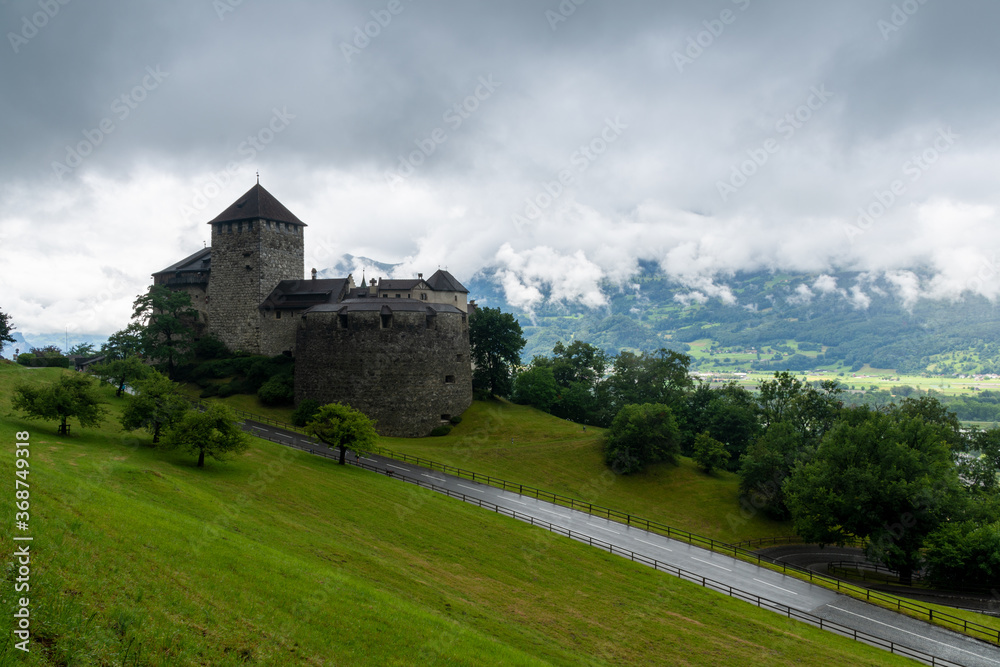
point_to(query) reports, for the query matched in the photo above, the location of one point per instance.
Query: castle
(397, 350)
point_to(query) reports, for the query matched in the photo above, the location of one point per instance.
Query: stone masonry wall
(248, 260)
(277, 335)
(407, 377)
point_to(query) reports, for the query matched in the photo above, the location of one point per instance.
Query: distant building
(398, 350)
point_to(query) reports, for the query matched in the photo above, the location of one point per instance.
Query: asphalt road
(794, 593)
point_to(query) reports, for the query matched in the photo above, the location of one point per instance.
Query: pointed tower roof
(257, 204)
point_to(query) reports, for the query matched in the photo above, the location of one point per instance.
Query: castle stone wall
(407, 377)
(248, 259)
(277, 334)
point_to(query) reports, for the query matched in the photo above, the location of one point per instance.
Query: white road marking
(653, 545)
(603, 528)
(366, 459)
(761, 581)
(436, 479)
(712, 564)
(470, 488)
(398, 468)
(893, 627)
(516, 501)
(565, 516)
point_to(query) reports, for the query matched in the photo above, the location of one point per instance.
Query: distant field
(281, 558)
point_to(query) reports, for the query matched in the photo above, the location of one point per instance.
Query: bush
(276, 391)
(640, 435)
(444, 429)
(210, 391)
(210, 347)
(305, 412)
(456, 420)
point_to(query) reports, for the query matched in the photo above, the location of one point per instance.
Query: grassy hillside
(528, 446)
(279, 558)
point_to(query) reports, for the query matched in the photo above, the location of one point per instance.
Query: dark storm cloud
(751, 132)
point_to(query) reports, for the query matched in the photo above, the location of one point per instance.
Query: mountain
(57, 338)
(357, 266)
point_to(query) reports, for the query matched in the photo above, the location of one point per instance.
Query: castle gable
(302, 294)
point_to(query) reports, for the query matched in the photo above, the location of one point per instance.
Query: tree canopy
(496, 340)
(214, 432)
(640, 435)
(164, 318)
(72, 395)
(343, 427)
(885, 477)
(5, 329)
(155, 406)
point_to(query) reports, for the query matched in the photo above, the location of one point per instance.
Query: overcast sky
(559, 142)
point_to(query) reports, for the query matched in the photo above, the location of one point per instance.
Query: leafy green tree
(156, 405)
(122, 372)
(124, 343)
(578, 362)
(305, 412)
(981, 467)
(214, 432)
(660, 377)
(811, 410)
(888, 478)
(640, 435)
(709, 453)
(964, 554)
(536, 386)
(496, 339)
(72, 395)
(165, 318)
(342, 426)
(765, 466)
(5, 329)
(82, 350)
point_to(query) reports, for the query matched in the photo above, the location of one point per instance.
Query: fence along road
(751, 583)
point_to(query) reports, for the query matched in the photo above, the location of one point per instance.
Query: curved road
(795, 593)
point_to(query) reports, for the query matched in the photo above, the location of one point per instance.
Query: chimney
(420, 276)
(314, 274)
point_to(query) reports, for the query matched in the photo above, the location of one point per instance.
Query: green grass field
(527, 446)
(279, 558)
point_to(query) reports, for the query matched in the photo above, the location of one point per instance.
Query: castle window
(449, 379)
(343, 321)
(423, 296)
(445, 418)
(397, 296)
(250, 226)
(229, 228)
(387, 321)
(458, 357)
(277, 314)
(430, 321)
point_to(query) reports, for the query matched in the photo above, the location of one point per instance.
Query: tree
(964, 554)
(888, 478)
(5, 329)
(578, 362)
(214, 432)
(640, 435)
(709, 453)
(811, 410)
(82, 350)
(660, 377)
(124, 343)
(496, 339)
(765, 466)
(72, 395)
(342, 426)
(122, 372)
(164, 316)
(156, 405)
(537, 387)
(981, 466)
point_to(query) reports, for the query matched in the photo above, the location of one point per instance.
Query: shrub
(640, 435)
(456, 420)
(443, 429)
(305, 412)
(210, 391)
(276, 391)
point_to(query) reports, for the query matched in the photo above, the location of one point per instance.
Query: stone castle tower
(398, 350)
(256, 243)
